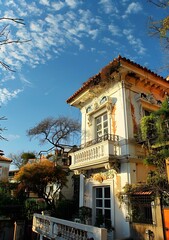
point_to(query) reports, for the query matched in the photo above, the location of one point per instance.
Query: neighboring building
(4, 166)
(61, 159)
(112, 104)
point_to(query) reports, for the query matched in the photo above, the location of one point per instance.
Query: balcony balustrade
(97, 151)
(54, 228)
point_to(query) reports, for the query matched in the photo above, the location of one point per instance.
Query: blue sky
(71, 40)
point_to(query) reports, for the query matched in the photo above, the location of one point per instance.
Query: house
(4, 166)
(112, 104)
(60, 159)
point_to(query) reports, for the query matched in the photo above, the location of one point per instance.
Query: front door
(166, 222)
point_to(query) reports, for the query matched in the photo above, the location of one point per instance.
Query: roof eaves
(119, 61)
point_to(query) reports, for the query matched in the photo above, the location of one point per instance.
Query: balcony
(54, 228)
(97, 153)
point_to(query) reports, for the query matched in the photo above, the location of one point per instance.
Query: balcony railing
(110, 137)
(96, 151)
(54, 228)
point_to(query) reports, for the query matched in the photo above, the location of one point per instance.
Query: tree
(37, 176)
(160, 28)
(10, 206)
(5, 40)
(5, 37)
(2, 129)
(22, 158)
(155, 136)
(56, 131)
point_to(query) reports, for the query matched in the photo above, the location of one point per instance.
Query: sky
(70, 41)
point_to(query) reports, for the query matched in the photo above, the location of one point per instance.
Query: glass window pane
(98, 120)
(105, 124)
(99, 127)
(98, 192)
(105, 131)
(98, 212)
(105, 117)
(107, 192)
(107, 214)
(107, 203)
(99, 203)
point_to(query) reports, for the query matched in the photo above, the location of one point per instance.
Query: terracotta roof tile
(143, 193)
(116, 62)
(5, 159)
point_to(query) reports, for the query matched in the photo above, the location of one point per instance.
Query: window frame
(102, 220)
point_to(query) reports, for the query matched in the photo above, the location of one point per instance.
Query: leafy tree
(22, 158)
(10, 206)
(55, 131)
(36, 176)
(155, 134)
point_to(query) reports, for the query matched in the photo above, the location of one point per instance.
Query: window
(103, 206)
(104, 99)
(102, 125)
(141, 208)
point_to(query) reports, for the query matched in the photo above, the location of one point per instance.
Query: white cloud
(115, 30)
(52, 32)
(134, 7)
(57, 5)
(107, 6)
(72, 3)
(12, 137)
(109, 41)
(136, 43)
(44, 2)
(6, 95)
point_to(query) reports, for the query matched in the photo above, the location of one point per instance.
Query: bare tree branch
(5, 40)
(55, 131)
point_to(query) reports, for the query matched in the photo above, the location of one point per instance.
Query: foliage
(55, 131)
(160, 27)
(36, 176)
(10, 206)
(85, 213)
(155, 128)
(65, 209)
(33, 205)
(22, 158)
(155, 133)
(148, 128)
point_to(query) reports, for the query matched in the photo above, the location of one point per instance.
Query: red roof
(116, 63)
(143, 193)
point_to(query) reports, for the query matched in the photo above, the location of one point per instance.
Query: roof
(143, 193)
(115, 64)
(3, 158)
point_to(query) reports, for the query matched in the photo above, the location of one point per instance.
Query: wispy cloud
(51, 32)
(132, 8)
(115, 30)
(136, 43)
(108, 6)
(6, 95)
(12, 137)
